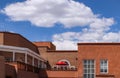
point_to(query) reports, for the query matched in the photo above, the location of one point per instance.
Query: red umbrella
(61, 63)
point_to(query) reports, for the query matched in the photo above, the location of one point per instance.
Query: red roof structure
(61, 63)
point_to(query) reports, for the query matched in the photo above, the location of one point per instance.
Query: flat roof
(100, 43)
(62, 51)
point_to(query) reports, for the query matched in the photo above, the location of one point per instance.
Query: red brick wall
(58, 74)
(54, 56)
(50, 45)
(61, 74)
(2, 67)
(42, 51)
(13, 39)
(25, 74)
(6, 54)
(10, 71)
(1, 39)
(95, 51)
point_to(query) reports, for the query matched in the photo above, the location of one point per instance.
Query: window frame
(87, 67)
(104, 66)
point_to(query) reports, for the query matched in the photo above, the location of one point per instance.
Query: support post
(13, 56)
(26, 58)
(26, 62)
(33, 61)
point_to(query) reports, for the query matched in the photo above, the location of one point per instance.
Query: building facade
(20, 58)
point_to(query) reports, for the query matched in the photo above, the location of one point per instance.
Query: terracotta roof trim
(62, 51)
(105, 75)
(98, 43)
(43, 47)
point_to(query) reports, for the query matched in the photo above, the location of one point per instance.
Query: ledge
(99, 43)
(105, 75)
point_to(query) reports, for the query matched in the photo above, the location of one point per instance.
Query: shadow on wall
(43, 74)
(48, 65)
(10, 71)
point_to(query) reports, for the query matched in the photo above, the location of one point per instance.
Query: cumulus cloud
(69, 40)
(45, 13)
(111, 37)
(65, 45)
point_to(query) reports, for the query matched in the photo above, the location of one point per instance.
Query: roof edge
(102, 43)
(62, 51)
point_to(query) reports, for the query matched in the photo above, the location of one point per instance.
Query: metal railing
(23, 66)
(63, 68)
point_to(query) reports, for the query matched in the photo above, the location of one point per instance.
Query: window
(103, 66)
(89, 69)
(8, 59)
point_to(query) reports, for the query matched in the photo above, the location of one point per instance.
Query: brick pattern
(50, 45)
(54, 56)
(2, 67)
(13, 39)
(61, 74)
(25, 74)
(10, 71)
(98, 52)
(1, 39)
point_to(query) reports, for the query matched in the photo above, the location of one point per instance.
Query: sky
(63, 22)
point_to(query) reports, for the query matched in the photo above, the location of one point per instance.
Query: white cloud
(65, 45)
(68, 40)
(111, 37)
(102, 23)
(45, 13)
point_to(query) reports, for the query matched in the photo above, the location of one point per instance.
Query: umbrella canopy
(61, 63)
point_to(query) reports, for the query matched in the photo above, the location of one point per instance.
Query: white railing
(20, 50)
(63, 67)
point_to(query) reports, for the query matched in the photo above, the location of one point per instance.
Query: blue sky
(64, 22)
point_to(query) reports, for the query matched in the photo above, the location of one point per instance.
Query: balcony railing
(63, 68)
(27, 67)
(23, 66)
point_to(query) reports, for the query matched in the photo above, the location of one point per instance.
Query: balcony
(63, 68)
(23, 66)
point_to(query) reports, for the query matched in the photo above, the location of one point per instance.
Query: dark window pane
(88, 75)
(92, 75)
(92, 71)
(85, 75)
(85, 71)
(85, 66)
(88, 70)
(105, 70)
(89, 62)
(101, 70)
(89, 66)
(92, 61)
(92, 66)
(85, 62)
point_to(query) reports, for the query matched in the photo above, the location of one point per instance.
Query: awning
(62, 63)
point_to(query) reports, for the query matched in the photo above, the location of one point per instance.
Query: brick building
(20, 58)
